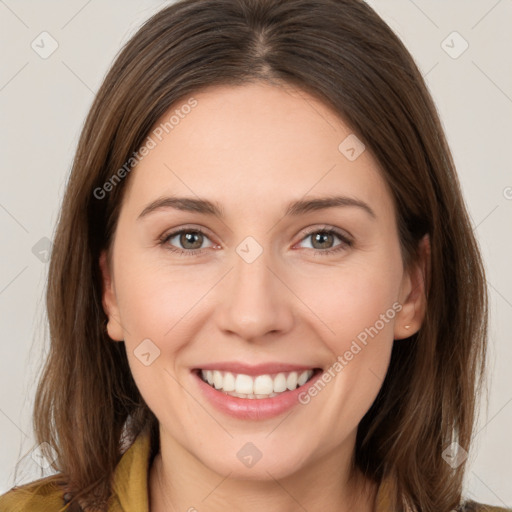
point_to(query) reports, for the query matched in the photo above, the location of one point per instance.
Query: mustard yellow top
(130, 488)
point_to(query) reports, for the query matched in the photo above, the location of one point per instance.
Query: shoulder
(42, 495)
(129, 486)
(387, 486)
(472, 506)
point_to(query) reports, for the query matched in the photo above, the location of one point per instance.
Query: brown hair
(341, 52)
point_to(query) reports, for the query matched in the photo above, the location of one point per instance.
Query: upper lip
(258, 369)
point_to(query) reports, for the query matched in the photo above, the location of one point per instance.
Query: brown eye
(191, 239)
(188, 241)
(324, 241)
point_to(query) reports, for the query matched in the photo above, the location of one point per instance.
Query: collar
(130, 483)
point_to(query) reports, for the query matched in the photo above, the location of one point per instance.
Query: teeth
(291, 381)
(302, 378)
(280, 383)
(244, 384)
(261, 386)
(217, 379)
(228, 384)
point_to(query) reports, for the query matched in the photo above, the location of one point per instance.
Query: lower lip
(254, 408)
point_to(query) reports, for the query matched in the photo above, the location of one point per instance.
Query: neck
(178, 481)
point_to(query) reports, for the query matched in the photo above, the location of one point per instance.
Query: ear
(412, 293)
(109, 300)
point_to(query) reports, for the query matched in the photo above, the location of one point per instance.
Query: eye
(189, 241)
(324, 238)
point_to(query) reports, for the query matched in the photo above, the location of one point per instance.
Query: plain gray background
(44, 102)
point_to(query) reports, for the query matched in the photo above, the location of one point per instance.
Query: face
(271, 289)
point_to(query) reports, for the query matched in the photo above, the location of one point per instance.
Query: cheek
(154, 298)
(159, 304)
(349, 300)
(355, 306)
(155, 303)
(360, 313)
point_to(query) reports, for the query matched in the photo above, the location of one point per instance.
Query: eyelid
(344, 235)
(188, 227)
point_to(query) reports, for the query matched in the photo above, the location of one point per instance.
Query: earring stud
(407, 326)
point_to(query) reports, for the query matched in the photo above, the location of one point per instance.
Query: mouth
(257, 387)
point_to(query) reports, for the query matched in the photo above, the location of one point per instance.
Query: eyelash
(346, 242)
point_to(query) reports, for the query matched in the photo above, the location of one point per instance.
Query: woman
(264, 291)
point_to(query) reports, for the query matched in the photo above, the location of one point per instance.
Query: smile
(254, 391)
(258, 386)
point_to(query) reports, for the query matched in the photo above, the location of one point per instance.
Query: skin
(253, 149)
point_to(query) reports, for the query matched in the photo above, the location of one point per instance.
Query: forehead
(255, 144)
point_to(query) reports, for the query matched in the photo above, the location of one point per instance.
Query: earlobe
(109, 300)
(413, 293)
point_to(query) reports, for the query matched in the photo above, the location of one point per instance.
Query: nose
(255, 302)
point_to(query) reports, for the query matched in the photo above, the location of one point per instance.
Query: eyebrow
(205, 207)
